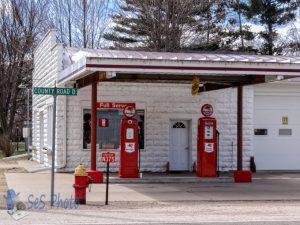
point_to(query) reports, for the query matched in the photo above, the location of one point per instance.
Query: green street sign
(54, 91)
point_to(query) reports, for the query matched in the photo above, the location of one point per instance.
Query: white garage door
(277, 132)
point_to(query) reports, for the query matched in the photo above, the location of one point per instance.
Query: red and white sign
(108, 157)
(207, 110)
(103, 122)
(129, 147)
(114, 105)
(129, 111)
(208, 147)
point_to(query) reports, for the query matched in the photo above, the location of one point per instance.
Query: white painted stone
(161, 102)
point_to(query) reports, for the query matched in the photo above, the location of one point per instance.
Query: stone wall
(163, 102)
(47, 63)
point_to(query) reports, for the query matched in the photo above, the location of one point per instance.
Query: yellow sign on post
(285, 120)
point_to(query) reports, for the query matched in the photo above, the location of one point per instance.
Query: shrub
(6, 146)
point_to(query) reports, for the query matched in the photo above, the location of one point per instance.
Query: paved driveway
(265, 186)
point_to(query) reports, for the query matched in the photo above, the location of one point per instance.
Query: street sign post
(54, 92)
(107, 157)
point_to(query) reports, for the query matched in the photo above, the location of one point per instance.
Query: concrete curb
(16, 157)
(165, 180)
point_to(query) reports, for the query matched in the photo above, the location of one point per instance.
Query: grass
(21, 149)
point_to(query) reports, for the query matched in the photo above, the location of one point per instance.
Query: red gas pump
(207, 143)
(129, 144)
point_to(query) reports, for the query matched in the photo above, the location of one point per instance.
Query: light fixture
(195, 85)
(22, 86)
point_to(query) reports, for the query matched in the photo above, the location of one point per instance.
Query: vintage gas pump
(129, 144)
(207, 143)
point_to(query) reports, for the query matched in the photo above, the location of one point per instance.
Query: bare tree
(20, 26)
(81, 23)
(291, 42)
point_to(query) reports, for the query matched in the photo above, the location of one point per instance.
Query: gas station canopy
(84, 67)
(215, 71)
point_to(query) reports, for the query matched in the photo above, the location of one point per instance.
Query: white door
(277, 132)
(179, 145)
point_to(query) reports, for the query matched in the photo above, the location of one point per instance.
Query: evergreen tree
(160, 25)
(220, 27)
(240, 33)
(271, 14)
(210, 32)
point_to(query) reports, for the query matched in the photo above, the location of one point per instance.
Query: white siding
(47, 64)
(163, 102)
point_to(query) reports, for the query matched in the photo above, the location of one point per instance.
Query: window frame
(116, 149)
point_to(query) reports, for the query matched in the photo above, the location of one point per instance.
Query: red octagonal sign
(207, 110)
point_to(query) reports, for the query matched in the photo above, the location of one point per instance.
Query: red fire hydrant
(81, 183)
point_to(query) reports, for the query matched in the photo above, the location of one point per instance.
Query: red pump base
(242, 176)
(96, 175)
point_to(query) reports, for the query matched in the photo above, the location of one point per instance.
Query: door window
(178, 125)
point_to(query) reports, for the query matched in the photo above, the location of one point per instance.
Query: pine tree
(271, 14)
(220, 27)
(209, 30)
(240, 32)
(160, 25)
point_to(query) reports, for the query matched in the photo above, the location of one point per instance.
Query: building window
(109, 137)
(285, 132)
(86, 128)
(141, 121)
(261, 131)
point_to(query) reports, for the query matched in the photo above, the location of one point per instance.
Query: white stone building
(161, 105)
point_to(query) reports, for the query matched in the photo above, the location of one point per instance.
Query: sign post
(107, 157)
(54, 92)
(107, 183)
(53, 149)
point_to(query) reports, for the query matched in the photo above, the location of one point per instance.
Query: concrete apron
(38, 184)
(165, 178)
(32, 186)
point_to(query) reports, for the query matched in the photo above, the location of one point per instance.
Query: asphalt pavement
(182, 212)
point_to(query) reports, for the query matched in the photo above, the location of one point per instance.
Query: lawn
(21, 149)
